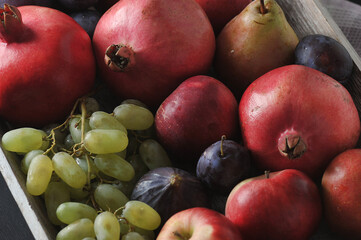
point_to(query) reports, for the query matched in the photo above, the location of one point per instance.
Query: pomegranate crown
(11, 22)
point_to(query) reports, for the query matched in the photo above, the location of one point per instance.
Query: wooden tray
(305, 16)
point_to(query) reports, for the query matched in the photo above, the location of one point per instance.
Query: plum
(326, 55)
(223, 165)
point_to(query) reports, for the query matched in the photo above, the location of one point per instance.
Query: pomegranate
(220, 12)
(297, 117)
(146, 48)
(46, 63)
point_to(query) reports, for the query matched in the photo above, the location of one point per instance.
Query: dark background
(12, 223)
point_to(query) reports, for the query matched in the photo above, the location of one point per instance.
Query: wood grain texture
(305, 16)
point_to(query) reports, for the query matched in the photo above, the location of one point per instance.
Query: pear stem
(263, 8)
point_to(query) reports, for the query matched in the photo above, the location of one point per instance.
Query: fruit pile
(158, 119)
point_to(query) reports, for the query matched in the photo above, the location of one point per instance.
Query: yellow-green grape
(124, 226)
(68, 170)
(78, 194)
(75, 128)
(134, 117)
(26, 160)
(22, 140)
(106, 226)
(103, 120)
(46, 142)
(83, 163)
(135, 102)
(146, 234)
(39, 175)
(69, 212)
(91, 105)
(104, 141)
(79, 229)
(108, 197)
(69, 142)
(141, 215)
(56, 194)
(153, 154)
(114, 166)
(122, 154)
(132, 236)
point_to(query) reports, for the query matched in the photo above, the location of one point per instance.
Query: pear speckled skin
(252, 44)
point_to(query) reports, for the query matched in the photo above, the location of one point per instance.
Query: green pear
(254, 42)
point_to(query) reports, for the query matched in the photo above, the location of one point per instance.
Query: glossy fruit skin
(220, 12)
(46, 69)
(160, 61)
(325, 54)
(341, 194)
(194, 116)
(162, 186)
(298, 101)
(200, 224)
(223, 173)
(287, 205)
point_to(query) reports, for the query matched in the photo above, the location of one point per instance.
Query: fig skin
(170, 190)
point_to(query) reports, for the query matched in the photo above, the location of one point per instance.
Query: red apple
(280, 205)
(195, 115)
(199, 224)
(341, 191)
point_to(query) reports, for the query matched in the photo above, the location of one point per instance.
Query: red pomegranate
(297, 117)
(46, 63)
(220, 12)
(146, 48)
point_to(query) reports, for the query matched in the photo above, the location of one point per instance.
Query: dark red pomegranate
(220, 12)
(297, 117)
(46, 63)
(146, 48)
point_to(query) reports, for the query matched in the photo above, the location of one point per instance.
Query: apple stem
(263, 8)
(222, 140)
(267, 172)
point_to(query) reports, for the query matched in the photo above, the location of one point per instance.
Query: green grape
(91, 105)
(22, 140)
(104, 141)
(114, 166)
(69, 212)
(134, 117)
(83, 163)
(153, 154)
(79, 229)
(124, 226)
(132, 236)
(106, 226)
(26, 160)
(146, 234)
(46, 143)
(126, 187)
(103, 120)
(109, 197)
(141, 215)
(75, 128)
(39, 175)
(68, 170)
(88, 238)
(69, 142)
(122, 154)
(56, 194)
(135, 102)
(139, 166)
(78, 193)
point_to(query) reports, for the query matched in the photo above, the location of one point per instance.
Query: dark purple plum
(87, 19)
(326, 55)
(45, 3)
(223, 165)
(77, 5)
(169, 190)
